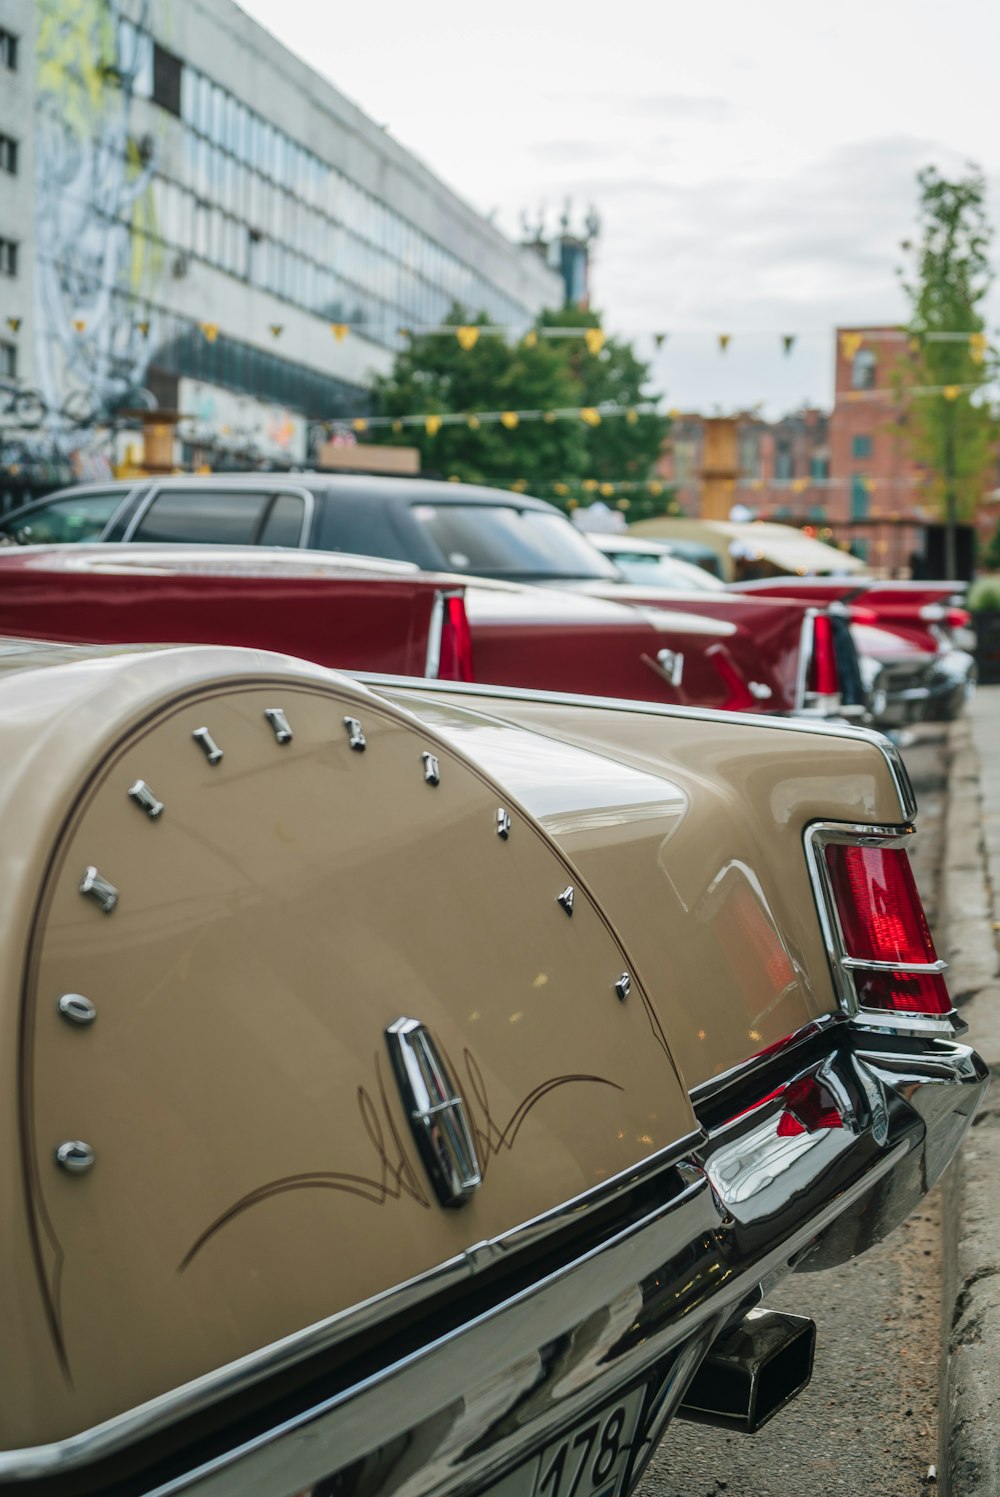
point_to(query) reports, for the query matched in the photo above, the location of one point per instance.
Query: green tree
(435, 375)
(952, 433)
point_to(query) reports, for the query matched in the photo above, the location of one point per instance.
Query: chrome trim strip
(807, 644)
(857, 963)
(890, 753)
(705, 1091)
(435, 631)
(167, 1409)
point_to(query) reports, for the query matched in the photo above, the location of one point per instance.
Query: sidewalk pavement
(969, 922)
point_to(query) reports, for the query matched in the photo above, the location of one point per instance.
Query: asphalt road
(867, 1424)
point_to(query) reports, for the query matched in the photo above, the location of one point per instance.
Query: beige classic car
(417, 1089)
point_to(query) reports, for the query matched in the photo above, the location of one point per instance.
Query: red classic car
(917, 631)
(755, 655)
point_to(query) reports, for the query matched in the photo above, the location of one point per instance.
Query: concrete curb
(969, 918)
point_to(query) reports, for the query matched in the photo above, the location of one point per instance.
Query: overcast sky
(754, 165)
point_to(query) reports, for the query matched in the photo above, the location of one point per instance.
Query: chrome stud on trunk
(75, 1156)
(96, 887)
(355, 734)
(503, 824)
(279, 722)
(76, 1009)
(432, 769)
(623, 986)
(566, 899)
(144, 797)
(213, 753)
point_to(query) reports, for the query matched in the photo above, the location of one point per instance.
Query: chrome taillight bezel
(818, 836)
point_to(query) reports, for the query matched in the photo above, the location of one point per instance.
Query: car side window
(225, 517)
(81, 517)
(283, 525)
(363, 527)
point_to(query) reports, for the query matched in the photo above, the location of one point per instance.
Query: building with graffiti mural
(191, 217)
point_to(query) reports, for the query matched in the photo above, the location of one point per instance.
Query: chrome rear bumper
(434, 1413)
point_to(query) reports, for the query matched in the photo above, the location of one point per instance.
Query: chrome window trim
(201, 1393)
(807, 644)
(890, 753)
(883, 1021)
(281, 487)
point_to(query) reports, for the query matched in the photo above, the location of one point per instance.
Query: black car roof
(394, 490)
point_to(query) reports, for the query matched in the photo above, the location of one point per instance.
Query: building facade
(201, 220)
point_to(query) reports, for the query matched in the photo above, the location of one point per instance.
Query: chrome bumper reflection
(759, 1196)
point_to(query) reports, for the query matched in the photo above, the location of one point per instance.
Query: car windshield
(503, 541)
(657, 569)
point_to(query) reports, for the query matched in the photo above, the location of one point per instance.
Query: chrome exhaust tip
(752, 1370)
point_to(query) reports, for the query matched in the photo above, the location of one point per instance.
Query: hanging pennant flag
(79, 326)
(473, 423)
(560, 488)
(277, 328)
(659, 339)
(509, 419)
(397, 426)
(850, 343)
(915, 345)
(607, 490)
(432, 425)
(590, 485)
(404, 332)
(631, 416)
(799, 484)
(454, 478)
(594, 338)
(590, 415)
(467, 337)
(674, 413)
(977, 347)
(339, 330)
(143, 328)
(623, 504)
(360, 424)
(787, 342)
(869, 484)
(519, 485)
(548, 417)
(14, 323)
(210, 331)
(951, 392)
(530, 338)
(724, 341)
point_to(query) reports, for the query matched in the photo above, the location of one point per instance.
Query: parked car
(649, 563)
(417, 1088)
(747, 549)
(752, 655)
(919, 633)
(356, 614)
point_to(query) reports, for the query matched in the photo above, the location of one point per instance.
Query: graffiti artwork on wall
(96, 257)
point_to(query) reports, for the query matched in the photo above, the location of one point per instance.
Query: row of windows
(236, 159)
(182, 350)
(8, 50)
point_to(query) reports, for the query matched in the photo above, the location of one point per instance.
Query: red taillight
(823, 666)
(455, 663)
(883, 923)
(958, 618)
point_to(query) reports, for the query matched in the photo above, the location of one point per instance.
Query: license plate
(590, 1460)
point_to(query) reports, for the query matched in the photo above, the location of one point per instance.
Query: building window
(166, 80)
(861, 446)
(819, 468)
(8, 257)
(859, 496)
(8, 50)
(783, 461)
(8, 155)
(8, 361)
(863, 370)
